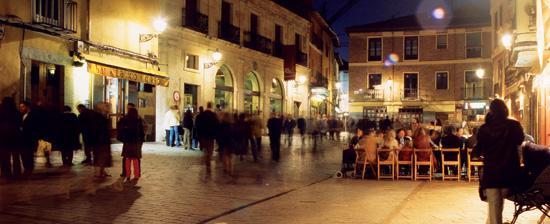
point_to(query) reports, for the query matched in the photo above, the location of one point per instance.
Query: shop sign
(127, 74)
(474, 105)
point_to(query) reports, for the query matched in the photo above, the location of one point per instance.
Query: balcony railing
(476, 93)
(195, 21)
(278, 50)
(229, 32)
(257, 42)
(373, 94)
(319, 81)
(60, 15)
(301, 58)
(410, 93)
(473, 52)
(317, 41)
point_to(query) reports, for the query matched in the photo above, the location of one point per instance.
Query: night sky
(368, 11)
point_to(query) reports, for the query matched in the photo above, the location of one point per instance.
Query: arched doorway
(251, 93)
(276, 97)
(223, 96)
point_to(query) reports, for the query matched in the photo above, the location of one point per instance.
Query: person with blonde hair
(390, 142)
(172, 120)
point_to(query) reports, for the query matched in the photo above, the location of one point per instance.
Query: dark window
(441, 80)
(441, 41)
(473, 45)
(253, 23)
(191, 7)
(278, 34)
(410, 85)
(59, 13)
(411, 48)
(375, 80)
(375, 49)
(298, 42)
(192, 61)
(226, 12)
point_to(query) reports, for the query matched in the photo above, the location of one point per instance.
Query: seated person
(451, 140)
(369, 144)
(389, 142)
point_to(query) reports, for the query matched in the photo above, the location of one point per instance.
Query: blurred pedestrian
(241, 134)
(339, 128)
(187, 127)
(173, 120)
(322, 126)
(102, 143)
(30, 127)
(275, 126)
(206, 124)
(497, 142)
(224, 140)
(256, 128)
(130, 132)
(302, 125)
(87, 128)
(69, 140)
(289, 125)
(10, 139)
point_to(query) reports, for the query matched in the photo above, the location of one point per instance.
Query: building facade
(421, 67)
(58, 52)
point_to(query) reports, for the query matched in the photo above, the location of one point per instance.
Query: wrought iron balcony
(278, 50)
(228, 32)
(373, 94)
(60, 15)
(319, 81)
(476, 93)
(257, 42)
(195, 21)
(301, 58)
(410, 93)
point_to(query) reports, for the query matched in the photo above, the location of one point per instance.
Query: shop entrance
(190, 97)
(47, 84)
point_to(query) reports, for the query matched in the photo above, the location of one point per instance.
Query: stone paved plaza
(176, 188)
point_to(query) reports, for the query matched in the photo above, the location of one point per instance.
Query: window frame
(368, 79)
(480, 44)
(405, 48)
(381, 48)
(439, 72)
(417, 84)
(446, 41)
(197, 62)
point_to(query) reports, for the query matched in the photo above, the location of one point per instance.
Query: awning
(526, 59)
(128, 74)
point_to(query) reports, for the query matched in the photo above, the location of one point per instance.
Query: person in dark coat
(275, 127)
(10, 139)
(31, 126)
(498, 142)
(301, 122)
(68, 140)
(187, 127)
(85, 119)
(289, 125)
(131, 133)
(101, 147)
(224, 140)
(206, 125)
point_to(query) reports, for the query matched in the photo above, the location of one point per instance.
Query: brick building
(421, 67)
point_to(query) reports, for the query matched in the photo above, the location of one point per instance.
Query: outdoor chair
(448, 161)
(420, 160)
(404, 158)
(361, 159)
(472, 163)
(384, 158)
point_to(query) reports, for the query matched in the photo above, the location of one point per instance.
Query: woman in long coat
(68, 136)
(131, 133)
(102, 139)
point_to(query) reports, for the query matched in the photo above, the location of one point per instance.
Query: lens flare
(391, 59)
(438, 13)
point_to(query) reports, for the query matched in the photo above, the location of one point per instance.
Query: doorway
(47, 84)
(190, 97)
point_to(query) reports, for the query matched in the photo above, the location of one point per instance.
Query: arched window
(223, 96)
(251, 93)
(276, 97)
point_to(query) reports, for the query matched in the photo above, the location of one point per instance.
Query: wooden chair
(472, 164)
(362, 161)
(420, 153)
(407, 162)
(446, 162)
(382, 160)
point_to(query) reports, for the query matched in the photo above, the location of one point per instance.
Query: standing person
(289, 126)
(173, 119)
(497, 142)
(130, 132)
(88, 132)
(187, 127)
(256, 127)
(302, 129)
(332, 125)
(224, 140)
(339, 128)
(274, 126)
(30, 128)
(10, 139)
(240, 135)
(102, 142)
(323, 127)
(207, 124)
(69, 136)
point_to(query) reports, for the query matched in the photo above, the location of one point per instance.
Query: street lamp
(159, 24)
(216, 57)
(480, 73)
(507, 40)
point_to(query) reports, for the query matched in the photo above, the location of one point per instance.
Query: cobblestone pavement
(176, 188)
